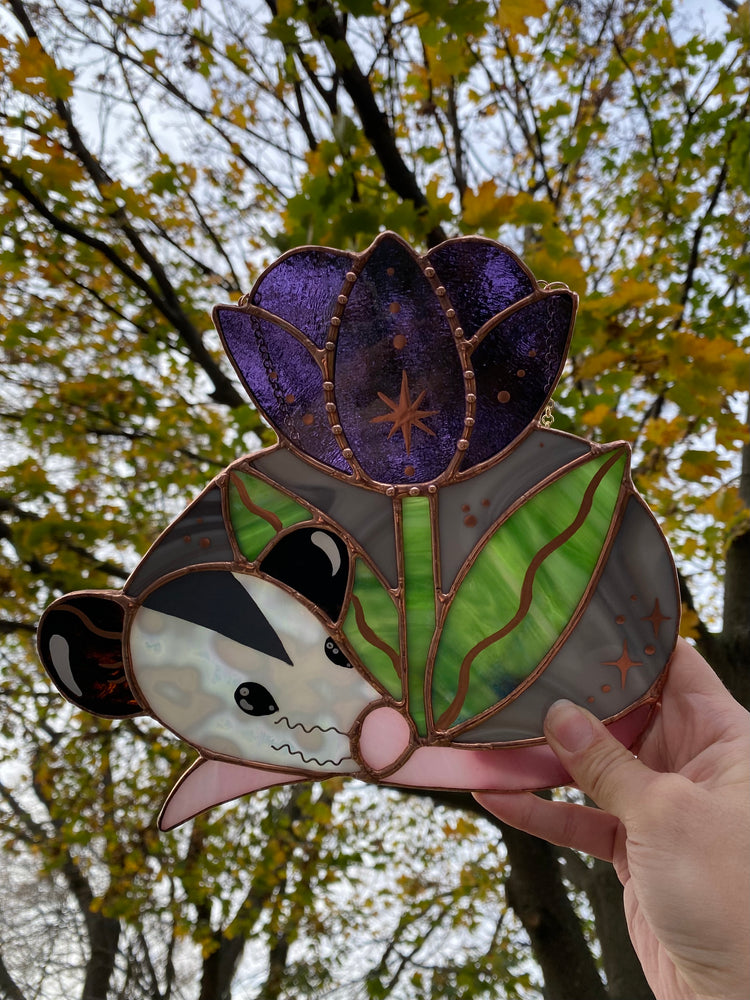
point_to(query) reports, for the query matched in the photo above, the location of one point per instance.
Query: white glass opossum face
(229, 632)
(252, 675)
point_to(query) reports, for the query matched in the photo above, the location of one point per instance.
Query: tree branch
(168, 301)
(534, 139)
(103, 932)
(9, 989)
(698, 236)
(375, 124)
(8, 627)
(102, 565)
(224, 390)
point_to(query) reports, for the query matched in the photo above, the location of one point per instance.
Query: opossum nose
(254, 699)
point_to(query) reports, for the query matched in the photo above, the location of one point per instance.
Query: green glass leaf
(371, 626)
(523, 589)
(419, 599)
(259, 511)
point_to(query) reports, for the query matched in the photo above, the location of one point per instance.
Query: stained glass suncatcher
(400, 588)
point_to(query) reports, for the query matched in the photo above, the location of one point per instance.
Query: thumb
(600, 765)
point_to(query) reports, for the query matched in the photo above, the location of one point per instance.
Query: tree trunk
(537, 894)
(104, 937)
(219, 968)
(732, 657)
(535, 891)
(277, 958)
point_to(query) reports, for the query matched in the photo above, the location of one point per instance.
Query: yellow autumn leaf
(698, 464)
(689, 547)
(551, 266)
(716, 355)
(663, 432)
(725, 504)
(513, 14)
(481, 208)
(596, 416)
(434, 198)
(237, 116)
(38, 74)
(629, 293)
(689, 622)
(598, 362)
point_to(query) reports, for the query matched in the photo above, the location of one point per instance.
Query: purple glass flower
(397, 369)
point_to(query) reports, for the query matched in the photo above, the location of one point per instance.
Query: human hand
(675, 823)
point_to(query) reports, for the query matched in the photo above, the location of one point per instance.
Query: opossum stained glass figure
(400, 588)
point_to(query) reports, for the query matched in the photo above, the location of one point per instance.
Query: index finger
(566, 824)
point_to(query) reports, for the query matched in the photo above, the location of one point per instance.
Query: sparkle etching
(401, 587)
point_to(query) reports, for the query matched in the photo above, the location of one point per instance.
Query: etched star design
(656, 618)
(624, 663)
(405, 413)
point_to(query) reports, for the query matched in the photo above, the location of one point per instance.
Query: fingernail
(569, 726)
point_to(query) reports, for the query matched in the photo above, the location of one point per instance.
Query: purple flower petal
(481, 278)
(396, 392)
(398, 380)
(516, 366)
(283, 379)
(302, 287)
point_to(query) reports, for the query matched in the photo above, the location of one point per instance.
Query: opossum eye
(315, 564)
(335, 655)
(254, 699)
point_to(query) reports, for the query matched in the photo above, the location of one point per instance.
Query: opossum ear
(80, 645)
